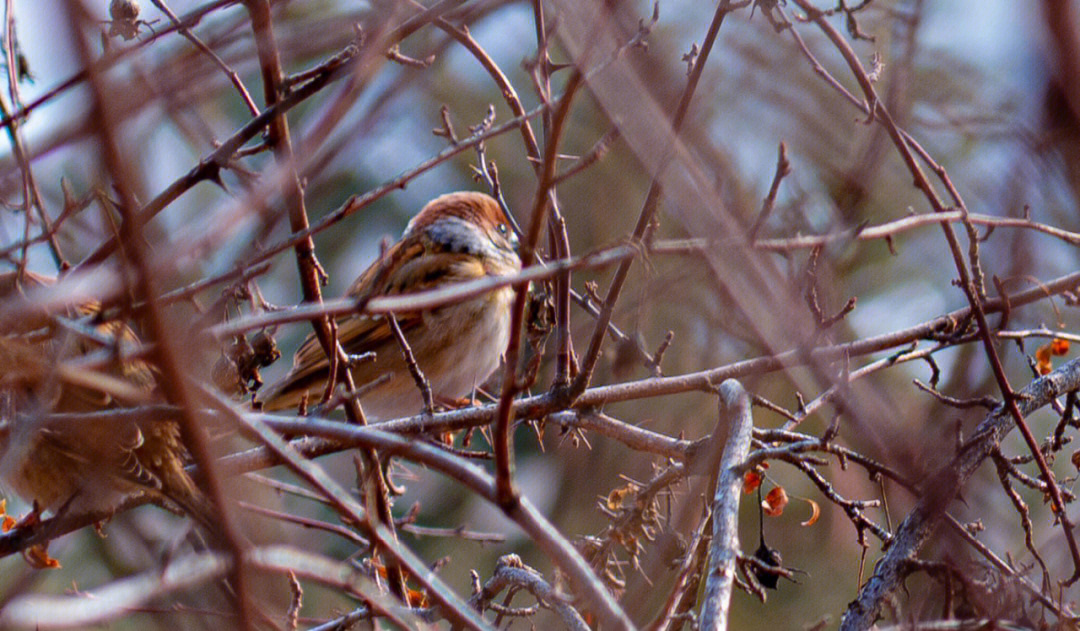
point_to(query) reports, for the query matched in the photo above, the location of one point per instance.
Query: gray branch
(735, 410)
(510, 571)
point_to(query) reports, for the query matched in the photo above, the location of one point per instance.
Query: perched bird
(56, 455)
(456, 237)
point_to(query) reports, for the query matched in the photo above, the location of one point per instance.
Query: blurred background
(986, 87)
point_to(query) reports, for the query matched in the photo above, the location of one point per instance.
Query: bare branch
(734, 405)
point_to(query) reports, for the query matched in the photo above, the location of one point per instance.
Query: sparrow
(80, 463)
(456, 237)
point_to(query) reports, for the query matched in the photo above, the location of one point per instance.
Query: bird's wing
(407, 267)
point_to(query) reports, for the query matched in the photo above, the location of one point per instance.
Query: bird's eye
(502, 228)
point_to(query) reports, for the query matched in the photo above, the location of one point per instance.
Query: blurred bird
(456, 237)
(82, 464)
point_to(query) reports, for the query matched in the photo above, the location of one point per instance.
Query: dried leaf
(7, 522)
(1059, 347)
(815, 513)
(416, 597)
(1042, 360)
(751, 480)
(379, 567)
(38, 558)
(771, 558)
(775, 502)
(1075, 459)
(617, 496)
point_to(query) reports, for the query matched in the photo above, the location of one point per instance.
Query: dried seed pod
(771, 558)
(264, 347)
(124, 10)
(226, 376)
(125, 19)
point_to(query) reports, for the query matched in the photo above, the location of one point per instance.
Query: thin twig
(234, 78)
(410, 360)
(783, 169)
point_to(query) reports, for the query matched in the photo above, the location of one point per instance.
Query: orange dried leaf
(7, 522)
(1059, 347)
(617, 497)
(1075, 459)
(775, 502)
(416, 597)
(751, 480)
(1042, 360)
(815, 513)
(380, 568)
(38, 558)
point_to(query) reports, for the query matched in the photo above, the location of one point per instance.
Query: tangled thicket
(868, 231)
